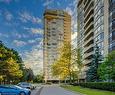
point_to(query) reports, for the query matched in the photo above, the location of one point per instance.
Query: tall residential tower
(93, 29)
(57, 29)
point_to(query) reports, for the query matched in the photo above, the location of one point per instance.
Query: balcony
(88, 55)
(90, 27)
(88, 61)
(88, 48)
(86, 4)
(89, 6)
(89, 41)
(88, 35)
(89, 12)
(89, 20)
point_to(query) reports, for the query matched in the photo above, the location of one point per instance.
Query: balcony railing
(86, 55)
(91, 38)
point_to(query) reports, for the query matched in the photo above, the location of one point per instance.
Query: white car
(25, 85)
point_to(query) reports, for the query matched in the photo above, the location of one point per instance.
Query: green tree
(9, 63)
(38, 78)
(13, 70)
(92, 74)
(106, 70)
(30, 75)
(62, 67)
(77, 62)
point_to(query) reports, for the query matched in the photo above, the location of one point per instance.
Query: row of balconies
(89, 7)
(86, 4)
(90, 27)
(89, 48)
(88, 55)
(91, 19)
(88, 16)
(91, 11)
(89, 41)
(88, 35)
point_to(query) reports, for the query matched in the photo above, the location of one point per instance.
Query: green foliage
(69, 64)
(92, 74)
(10, 63)
(38, 78)
(99, 85)
(62, 66)
(77, 62)
(106, 70)
(30, 75)
(88, 91)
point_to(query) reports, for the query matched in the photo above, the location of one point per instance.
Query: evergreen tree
(92, 74)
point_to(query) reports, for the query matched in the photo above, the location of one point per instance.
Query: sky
(21, 26)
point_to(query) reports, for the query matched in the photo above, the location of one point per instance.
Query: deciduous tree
(106, 70)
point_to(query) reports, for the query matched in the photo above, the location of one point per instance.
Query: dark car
(26, 85)
(13, 90)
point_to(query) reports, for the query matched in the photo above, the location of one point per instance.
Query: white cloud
(26, 16)
(25, 36)
(59, 3)
(37, 40)
(37, 30)
(31, 41)
(34, 30)
(19, 43)
(48, 2)
(8, 16)
(4, 35)
(74, 35)
(17, 35)
(74, 39)
(34, 58)
(69, 10)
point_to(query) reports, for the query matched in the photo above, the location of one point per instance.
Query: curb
(38, 93)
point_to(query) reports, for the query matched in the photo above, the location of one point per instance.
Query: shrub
(99, 85)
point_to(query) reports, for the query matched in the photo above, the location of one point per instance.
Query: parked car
(26, 85)
(13, 90)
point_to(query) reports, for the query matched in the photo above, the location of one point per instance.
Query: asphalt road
(55, 90)
(36, 91)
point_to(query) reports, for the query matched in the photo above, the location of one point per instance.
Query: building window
(113, 35)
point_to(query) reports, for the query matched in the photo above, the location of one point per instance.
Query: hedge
(98, 85)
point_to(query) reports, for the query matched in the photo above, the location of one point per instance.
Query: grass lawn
(88, 91)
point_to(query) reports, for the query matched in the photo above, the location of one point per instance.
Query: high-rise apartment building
(57, 29)
(93, 29)
(112, 25)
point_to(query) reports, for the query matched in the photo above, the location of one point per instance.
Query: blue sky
(21, 26)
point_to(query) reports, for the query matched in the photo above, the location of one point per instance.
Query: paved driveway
(55, 90)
